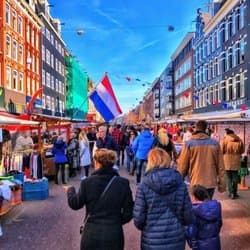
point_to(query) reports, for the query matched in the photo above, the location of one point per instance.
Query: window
(14, 20)
(52, 104)
(216, 92)
(211, 97)
(37, 65)
(48, 103)
(223, 91)
(234, 88)
(8, 77)
(20, 25)
(52, 61)
(237, 84)
(234, 50)
(47, 56)
(14, 80)
(229, 89)
(20, 82)
(48, 34)
(14, 56)
(242, 85)
(242, 51)
(7, 13)
(33, 86)
(8, 46)
(223, 62)
(43, 53)
(43, 101)
(237, 20)
(226, 30)
(57, 88)
(43, 77)
(237, 46)
(28, 33)
(242, 16)
(52, 82)
(47, 79)
(52, 39)
(28, 85)
(233, 23)
(20, 54)
(229, 58)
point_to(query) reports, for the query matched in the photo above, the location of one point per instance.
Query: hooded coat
(162, 208)
(58, 151)
(203, 233)
(232, 148)
(142, 144)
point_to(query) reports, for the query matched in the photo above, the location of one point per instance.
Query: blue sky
(126, 38)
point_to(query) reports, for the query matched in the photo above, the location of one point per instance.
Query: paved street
(51, 224)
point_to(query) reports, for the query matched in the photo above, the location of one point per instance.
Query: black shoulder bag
(101, 196)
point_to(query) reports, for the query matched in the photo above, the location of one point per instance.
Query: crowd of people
(167, 212)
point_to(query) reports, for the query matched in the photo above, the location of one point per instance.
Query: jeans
(140, 169)
(232, 181)
(62, 172)
(129, 158)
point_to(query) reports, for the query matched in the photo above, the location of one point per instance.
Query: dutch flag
(104, 99)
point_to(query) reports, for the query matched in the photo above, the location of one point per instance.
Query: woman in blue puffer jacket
(204, 232)
(162, 205)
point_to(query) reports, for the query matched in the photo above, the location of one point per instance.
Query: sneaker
(83, 177)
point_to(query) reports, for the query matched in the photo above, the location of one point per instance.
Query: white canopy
(6, 120)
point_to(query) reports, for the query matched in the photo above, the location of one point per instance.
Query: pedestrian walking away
(108, 201)
(202, 160)
(141, 146)
(232, 148)
(162, 205)
(204, 232)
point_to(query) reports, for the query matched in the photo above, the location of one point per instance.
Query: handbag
(101, 196)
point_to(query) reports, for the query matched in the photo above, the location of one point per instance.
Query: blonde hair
(83, 137)
(163, 136)
(105, 157)
(158, 157)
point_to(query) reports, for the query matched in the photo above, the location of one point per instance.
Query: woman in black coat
(162, 205)
(103, 228)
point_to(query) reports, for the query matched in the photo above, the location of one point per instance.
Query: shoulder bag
(101, 196)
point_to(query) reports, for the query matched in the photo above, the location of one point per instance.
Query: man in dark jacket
(104, 140)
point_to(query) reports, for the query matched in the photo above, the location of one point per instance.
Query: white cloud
(108, 17)
(149, 44)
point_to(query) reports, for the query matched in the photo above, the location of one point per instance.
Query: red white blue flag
(105, 101)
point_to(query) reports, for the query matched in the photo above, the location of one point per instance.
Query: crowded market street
(51, 225)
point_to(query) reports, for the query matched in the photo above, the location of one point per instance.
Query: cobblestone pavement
(51, 224)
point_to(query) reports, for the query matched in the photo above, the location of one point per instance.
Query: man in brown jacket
(201, 159)
(232, 148)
